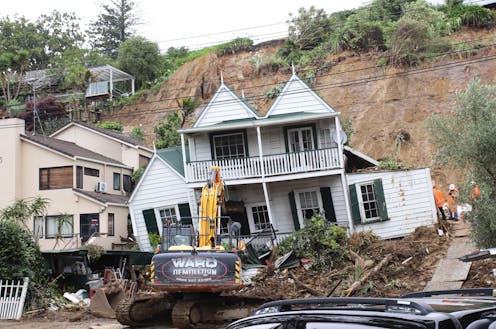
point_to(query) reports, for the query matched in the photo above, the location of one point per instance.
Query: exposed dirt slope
(381, 102)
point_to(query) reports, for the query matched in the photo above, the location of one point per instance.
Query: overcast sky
(191, 23)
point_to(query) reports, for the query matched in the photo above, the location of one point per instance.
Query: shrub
(390, 164)
(274, 92)
(320, 240)
(137, 133)
(112, 125)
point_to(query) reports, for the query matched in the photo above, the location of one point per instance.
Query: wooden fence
(12, 297)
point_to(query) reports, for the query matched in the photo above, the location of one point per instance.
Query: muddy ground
(411, 265)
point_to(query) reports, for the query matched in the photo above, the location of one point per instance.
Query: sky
(191, 23)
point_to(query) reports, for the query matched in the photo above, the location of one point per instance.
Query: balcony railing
(273, 165)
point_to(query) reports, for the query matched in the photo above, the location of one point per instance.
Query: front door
(300, 140)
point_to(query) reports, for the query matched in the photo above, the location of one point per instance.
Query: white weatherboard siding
(161, 187)
(297, 97)
(224, 106)
(409, 201)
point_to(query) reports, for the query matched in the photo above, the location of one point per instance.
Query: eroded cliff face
(381, 102)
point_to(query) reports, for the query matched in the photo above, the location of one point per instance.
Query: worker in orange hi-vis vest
(439, 199)
(453, 201)
(476, 193)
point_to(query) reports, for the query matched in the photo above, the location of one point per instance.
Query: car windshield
(453, 304)
(310, 325)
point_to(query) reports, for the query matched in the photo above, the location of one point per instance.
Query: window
(127, 183)
(92, 172)
(368, 202)
(117, 181)
(110, 225)
(168, 215)
(300, 139)
(309, 204)
(88, 225)
(59, 225)
(229, 146)
(258, 217)
(55, 178)
(38, 227)
(79, 177)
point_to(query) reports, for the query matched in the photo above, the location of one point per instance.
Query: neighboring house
(279, 170)
(113, 144)
(84, 184)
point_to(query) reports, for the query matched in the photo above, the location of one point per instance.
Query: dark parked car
(448, 309)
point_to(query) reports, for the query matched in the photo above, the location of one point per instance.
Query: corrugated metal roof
(70, 149)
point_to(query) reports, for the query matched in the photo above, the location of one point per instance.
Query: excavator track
(211, 311)
(145, 309)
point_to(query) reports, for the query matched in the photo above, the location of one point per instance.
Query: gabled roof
(70, 149)
(104, 198)
(225, 105)
(296, 96)
(174, 157)
(121, 137)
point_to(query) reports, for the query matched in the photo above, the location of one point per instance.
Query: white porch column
(337, 124)
(264, 183)
(346, 192)
(183, 150)
(132, 87)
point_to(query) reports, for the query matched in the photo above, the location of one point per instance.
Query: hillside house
(278, 169)
(85, 174)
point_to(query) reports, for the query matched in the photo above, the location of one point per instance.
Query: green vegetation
(465, 140)
(137, 133)
(320, 240)
(154, 239)
(112, 125)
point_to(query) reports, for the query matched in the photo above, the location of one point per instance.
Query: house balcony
(266, 166)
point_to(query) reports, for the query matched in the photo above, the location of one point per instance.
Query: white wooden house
(279, 169)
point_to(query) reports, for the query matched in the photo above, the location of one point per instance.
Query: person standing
(453, 201)
(439, 199)
(476, 193)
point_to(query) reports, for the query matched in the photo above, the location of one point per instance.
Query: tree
(309, 28)
(113, 26)
(466, 140)
(141, 58)
(166, 130)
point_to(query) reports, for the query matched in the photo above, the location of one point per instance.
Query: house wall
(104, 145)
(279, 198)
(409, 201)
(160, 187)
(66, 201)
(10, 160)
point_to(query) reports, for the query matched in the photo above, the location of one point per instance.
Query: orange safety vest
(439, 197)
(476, 193)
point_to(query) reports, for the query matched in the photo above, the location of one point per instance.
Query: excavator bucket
(100, 305)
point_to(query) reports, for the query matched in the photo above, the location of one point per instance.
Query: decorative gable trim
(309, 100)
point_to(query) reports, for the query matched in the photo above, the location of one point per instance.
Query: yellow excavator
(190, 271)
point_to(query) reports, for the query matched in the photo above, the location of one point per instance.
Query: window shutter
(355, 210)
(185, 213)
(150, 221)
(294, 211)
(325, 192)
(381, 200)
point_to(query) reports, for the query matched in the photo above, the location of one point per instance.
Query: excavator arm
(211, 199)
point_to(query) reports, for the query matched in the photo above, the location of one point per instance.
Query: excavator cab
(178, 237)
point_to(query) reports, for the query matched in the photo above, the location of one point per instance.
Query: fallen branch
(364, 278)
(301, 285)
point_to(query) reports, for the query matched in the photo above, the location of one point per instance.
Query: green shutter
(294, 211)
(355, 208)
(325, 192)
(150, 221)
(185, 213)
(381, 200)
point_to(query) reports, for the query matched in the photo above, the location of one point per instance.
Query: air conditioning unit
(101, 187)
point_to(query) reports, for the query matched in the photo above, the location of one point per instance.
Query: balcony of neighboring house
(273, 152)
